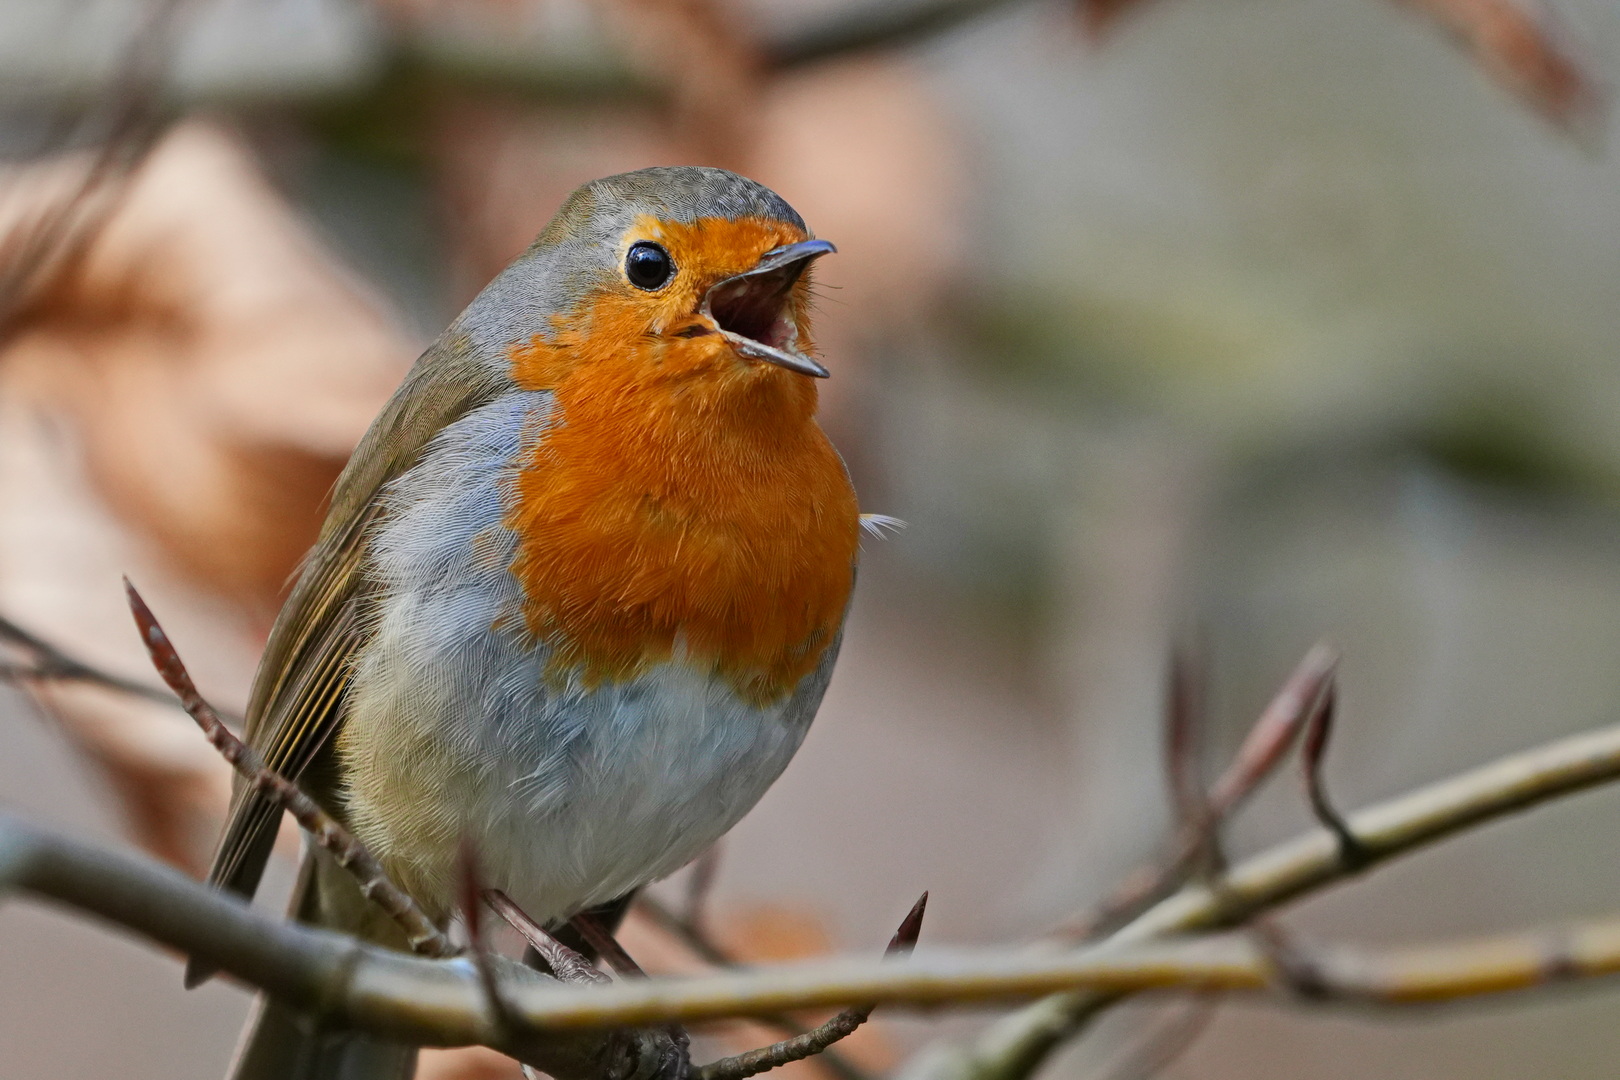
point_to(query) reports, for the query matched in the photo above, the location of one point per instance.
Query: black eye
(648, 266)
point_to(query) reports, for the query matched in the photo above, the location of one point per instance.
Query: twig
(423, 935)
(566, 964)
(817, 1039)
(1016, 1045)
(1293, 707)
(1185, 720)
(871, 26)
(709, 951)
(51, 663)
(1518, 46)
(1294, 968)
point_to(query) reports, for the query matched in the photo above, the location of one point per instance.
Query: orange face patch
(685, 497)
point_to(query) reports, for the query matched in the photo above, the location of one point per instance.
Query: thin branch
(1295, 968)
(42, 252)
(1016, 1045)
(331, 977)
(423, 935)
(1518, 45)
(1185, 720)
(872, 26)
(1268, 741)
(709, 951)
(433, 1002)
(817, 1039)
(1296, 706)
(51, 663)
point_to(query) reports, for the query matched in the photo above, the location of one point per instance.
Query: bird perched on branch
(581, 586)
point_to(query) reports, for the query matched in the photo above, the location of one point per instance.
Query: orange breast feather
(683, 497)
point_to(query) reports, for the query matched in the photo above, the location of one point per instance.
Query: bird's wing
(297, 697)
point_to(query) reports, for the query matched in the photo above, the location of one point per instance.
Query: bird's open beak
(751, 308)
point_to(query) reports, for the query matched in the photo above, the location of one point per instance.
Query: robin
(581, 586)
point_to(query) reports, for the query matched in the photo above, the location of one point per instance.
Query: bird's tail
(281, 1043)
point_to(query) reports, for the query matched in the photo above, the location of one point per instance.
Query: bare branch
(1301, 699)
(424, 936)
(1016, 1045)
(435, 1002)
(1522, 50)
(870, 26)
(332, 977)
(441, 1002)
(51, 663)
(1185, 720)
(817, 1039)
(41, 253)
(693, 936)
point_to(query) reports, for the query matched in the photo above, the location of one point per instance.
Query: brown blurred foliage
(179, 399)
(215, 365)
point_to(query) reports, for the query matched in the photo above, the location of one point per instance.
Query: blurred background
(1255, 322)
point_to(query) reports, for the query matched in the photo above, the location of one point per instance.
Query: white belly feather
(570, 796)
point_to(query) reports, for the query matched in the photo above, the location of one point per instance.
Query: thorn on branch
(424, 937)
(905, 938)
(817, 1039)
(1318, 733)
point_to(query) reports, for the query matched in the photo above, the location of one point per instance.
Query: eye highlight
(648, 266)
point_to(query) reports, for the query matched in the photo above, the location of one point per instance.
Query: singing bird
(581, 586)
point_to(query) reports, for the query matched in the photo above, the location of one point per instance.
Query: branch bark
(1018, 1044)
(442, 1003)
